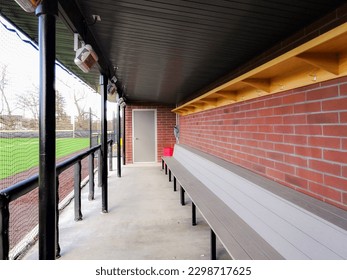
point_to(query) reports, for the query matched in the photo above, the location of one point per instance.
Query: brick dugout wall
(298, 138)
(166, 120)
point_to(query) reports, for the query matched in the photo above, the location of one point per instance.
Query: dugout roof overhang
(171, 52)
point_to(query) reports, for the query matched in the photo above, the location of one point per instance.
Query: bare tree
(63, 120)
(60, 106)
(30, 101)
(7, 121)
(82, 114)
(3, 84)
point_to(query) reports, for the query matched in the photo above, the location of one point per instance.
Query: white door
(144, 135)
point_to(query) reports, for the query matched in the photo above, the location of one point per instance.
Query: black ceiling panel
(166, 51)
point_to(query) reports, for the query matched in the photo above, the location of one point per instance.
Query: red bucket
(167, 152)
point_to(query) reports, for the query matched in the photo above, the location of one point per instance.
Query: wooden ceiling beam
(260, 84)
(228, 95)
(326, 61)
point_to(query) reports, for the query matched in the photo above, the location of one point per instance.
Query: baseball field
(20, 154)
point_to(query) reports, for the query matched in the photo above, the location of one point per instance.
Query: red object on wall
(167, 152)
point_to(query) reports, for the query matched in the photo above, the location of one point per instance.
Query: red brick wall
(166, 120)
(298, 138)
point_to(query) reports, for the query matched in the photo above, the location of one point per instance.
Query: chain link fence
(77, 127)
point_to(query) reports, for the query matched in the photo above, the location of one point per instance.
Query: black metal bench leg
(193, 214)
(165, 169)
(169, 175)
(182, 196)
(162, 164)
(175, 184)
(213, 246)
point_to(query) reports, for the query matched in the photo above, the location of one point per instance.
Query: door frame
(155, 136)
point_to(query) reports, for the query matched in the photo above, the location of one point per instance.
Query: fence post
(110, 157)
(119, 160)
(99, 168)
(4, 228)
(57, 255)
(91, 177)
(123, 136)
(103, 159)
(77, 191)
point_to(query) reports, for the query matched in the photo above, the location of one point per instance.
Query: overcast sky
(22, 72)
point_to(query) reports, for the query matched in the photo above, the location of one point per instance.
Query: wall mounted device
(85, 57)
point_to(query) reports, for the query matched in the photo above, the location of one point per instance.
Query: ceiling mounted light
(114, 79)
(111, 89)
(85, 58)
(96, 18)
(121, 102)
(28, 5)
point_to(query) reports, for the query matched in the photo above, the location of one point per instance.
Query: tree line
(29, 103)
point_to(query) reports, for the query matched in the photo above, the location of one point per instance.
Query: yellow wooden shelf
(321, 59)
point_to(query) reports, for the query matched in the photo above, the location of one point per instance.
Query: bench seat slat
(325, 211)
(296, 233)
(228, 226)
(255, 217)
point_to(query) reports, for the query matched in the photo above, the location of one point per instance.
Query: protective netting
(77, 126)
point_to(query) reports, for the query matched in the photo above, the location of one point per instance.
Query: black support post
(91, 177)
(4, 228)
(77, 192)
(119, 159)
(114, 127)
(114, 139)
(213, 245)
(99, 169)
(103, 171)
(169, 175)
(47, 12)
(123, 136)
(110, 157)
(193, 214)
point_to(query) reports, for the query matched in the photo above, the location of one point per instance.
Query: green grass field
(20, 154)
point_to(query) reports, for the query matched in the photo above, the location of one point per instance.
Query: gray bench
(252, 216)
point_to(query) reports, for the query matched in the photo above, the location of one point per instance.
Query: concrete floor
(145, 222)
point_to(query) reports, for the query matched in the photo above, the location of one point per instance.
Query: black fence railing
(22, 188)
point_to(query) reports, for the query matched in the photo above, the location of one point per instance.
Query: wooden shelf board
(320, 59)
